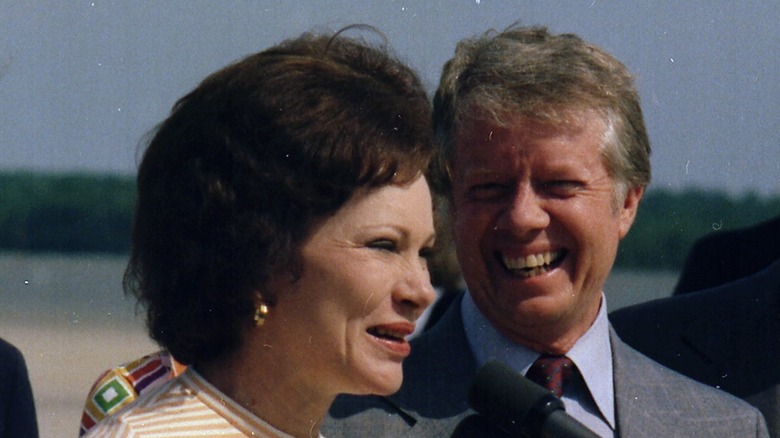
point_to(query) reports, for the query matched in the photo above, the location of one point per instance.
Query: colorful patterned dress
(120, 386)
(185, 406)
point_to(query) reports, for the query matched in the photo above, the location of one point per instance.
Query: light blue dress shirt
(590, 398)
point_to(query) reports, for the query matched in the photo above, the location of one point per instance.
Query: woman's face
(363, 283)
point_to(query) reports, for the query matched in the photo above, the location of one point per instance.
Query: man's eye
(562, 187)
(487, 190)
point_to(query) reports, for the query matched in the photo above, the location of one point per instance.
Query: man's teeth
(533, 264)
(531, 261)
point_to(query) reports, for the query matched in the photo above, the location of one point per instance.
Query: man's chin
(530, 314)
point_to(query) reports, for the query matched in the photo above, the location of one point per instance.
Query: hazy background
(82, 81)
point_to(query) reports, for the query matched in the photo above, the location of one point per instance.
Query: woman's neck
(271, 388)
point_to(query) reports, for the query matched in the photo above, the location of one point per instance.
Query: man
(547, 155)
(724, 256)
(727, 337)
(17, 409)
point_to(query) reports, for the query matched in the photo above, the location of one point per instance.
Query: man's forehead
(552, 116)
(522, 126)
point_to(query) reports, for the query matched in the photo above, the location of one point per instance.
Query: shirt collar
(592, 353)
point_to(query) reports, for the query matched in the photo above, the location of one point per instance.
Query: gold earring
(261, 312)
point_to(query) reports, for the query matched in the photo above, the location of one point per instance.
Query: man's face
(536, 226)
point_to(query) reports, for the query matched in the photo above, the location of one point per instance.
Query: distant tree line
(669, 222)
(66, 213)
(94, 213)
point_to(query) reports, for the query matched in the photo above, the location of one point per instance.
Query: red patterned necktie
(551, 372)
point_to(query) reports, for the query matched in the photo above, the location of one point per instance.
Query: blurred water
(64, 290)
(86, 289)
(624, 287)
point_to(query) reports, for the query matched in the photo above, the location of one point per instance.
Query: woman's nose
(417, 291)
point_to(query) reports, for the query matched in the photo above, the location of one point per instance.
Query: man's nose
(524, 212)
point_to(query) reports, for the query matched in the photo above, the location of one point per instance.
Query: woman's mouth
(386, 334)
(393, 336)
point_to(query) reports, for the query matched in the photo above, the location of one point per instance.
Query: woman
(279, 246)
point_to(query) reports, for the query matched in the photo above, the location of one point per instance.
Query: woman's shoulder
(169, 406)
(122, 385)
(185, 406)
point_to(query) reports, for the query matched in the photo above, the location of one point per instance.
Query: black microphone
(521, 407)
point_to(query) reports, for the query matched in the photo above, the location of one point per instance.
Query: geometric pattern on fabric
(187, 406)
(551, 372)
(113, 394)
(122, 385)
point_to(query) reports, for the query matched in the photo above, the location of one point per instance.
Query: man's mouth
(533, 264)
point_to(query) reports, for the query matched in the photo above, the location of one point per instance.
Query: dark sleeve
(724, 256)
(17, 409)
(709, 263)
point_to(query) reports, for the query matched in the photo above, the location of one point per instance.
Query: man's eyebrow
(480, 172)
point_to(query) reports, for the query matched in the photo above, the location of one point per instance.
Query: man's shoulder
(352, 415)
(708, 334)
(17, 409)
(757, 292)
(12, 367)
(651, 397)
(642, 371)
(9, 355)
(432, 398)
(431, 402)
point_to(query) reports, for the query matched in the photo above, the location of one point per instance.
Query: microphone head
(510, 400)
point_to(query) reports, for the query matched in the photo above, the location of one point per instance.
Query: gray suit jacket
(651, 401)
(727, 337)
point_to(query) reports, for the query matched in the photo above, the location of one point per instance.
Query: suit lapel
(640, 394)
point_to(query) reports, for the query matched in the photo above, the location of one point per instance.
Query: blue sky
(81, 82)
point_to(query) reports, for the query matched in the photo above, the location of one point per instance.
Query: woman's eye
(427, 252)
(383, 244)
